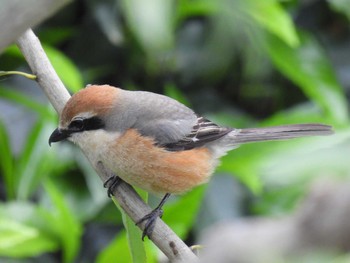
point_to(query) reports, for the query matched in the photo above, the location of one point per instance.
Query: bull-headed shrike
(154, 142)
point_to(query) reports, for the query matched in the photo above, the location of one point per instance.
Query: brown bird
(154, 142)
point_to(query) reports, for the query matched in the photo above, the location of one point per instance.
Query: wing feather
(203, 131)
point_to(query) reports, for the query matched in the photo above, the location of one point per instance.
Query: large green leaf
(309, 68)
(270, 15)
(118, 251)
(65, 68)
(136, 245)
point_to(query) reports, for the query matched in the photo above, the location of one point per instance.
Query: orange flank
(140, 162)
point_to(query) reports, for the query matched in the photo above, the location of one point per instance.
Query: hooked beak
(58, 135)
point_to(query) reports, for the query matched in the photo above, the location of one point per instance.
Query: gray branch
(163, 237)
(16, 16)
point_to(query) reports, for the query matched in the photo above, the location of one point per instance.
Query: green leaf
(23, 231)
(14, 51)
(34, 160)
(118, 250)
(54, 36)
(243, 164)
(342, 6)
(189, 8)
(65, 223)
(180, 215)
(309, 68)
(136, 245)
(26, 101)
(270, 15)
(65, 68)
(20, 240)
(7, 162)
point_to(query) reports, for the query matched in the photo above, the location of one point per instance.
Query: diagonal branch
(163, 237)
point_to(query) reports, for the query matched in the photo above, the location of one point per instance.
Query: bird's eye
(77, 124)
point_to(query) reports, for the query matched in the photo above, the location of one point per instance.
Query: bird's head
(85, 111)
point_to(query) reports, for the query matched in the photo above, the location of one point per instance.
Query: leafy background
(241, 63)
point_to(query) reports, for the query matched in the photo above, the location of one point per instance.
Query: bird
(154, 142)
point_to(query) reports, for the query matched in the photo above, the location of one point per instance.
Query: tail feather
(280, 132)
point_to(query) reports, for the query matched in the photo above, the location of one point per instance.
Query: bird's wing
(171, 124)
(204, 131)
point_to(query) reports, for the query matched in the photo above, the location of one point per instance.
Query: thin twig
(163, 237)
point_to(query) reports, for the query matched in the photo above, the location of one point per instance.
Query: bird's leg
(152, 217)
(111, 183)
(113, 180)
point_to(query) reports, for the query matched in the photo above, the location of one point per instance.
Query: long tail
(279, 132)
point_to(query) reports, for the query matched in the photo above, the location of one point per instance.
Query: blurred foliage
(241, 63)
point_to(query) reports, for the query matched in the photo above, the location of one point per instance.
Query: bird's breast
(138, 161)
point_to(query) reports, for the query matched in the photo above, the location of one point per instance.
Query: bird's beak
(58, 135)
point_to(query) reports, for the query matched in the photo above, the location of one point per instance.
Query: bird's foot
(150, 220)
(111, 183)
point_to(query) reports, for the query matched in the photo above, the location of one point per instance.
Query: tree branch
(18, 15)
(163, 237)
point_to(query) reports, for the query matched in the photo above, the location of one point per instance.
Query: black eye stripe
(93, 123)
(76, 125)
(80, 124)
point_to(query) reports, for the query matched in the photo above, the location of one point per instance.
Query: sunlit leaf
(23, 232)
(20, 240)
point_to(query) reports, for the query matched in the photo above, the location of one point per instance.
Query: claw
(151, 218)
(111, 183)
